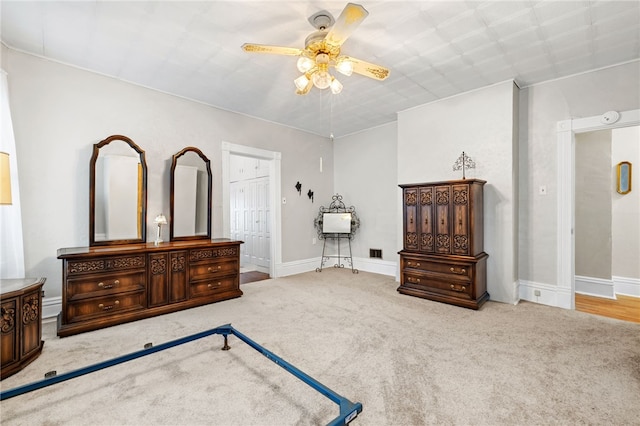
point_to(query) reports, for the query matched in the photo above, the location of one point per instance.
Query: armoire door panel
(426, 220)
(411, 219)
(443, 236)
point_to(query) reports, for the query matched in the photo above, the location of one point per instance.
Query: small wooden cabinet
(443, 257)
(20, 324)
(105, 286)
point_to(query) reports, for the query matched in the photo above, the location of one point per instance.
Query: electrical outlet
(314, 241)
(284, 200)
(536, 293)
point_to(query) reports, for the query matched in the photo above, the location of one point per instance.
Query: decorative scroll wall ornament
(462, 163)
(299, 188)
(310, 195)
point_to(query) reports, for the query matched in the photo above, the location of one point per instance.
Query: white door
(250, 221)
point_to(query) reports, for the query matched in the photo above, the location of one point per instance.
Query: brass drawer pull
(453, 287)
(413, 280)
(210, 269)
(211, 285)
(108, 307)
(461, 271)
(416, 264)
(108, 286)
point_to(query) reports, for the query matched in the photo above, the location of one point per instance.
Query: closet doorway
(250, 211)
(250, 183)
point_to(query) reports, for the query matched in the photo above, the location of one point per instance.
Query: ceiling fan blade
(352, 15)
(368, 69)
(274, 50)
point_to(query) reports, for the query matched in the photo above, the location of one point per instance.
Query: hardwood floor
(625, 308)
(252, 276)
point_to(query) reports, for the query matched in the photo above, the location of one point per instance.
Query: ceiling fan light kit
(322, 51)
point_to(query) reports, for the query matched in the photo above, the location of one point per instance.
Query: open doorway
(567, 131)
(607, 274)
(250, 211)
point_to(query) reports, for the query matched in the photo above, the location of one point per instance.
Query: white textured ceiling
(434, 49)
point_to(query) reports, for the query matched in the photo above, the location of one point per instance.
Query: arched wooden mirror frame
(142, 207)
(174, 163)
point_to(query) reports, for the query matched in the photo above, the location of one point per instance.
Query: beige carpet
(409, 361)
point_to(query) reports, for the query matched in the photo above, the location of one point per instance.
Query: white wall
(541, 108)
(481, 123)
(59, 112)
(365, 173)
(625, 228)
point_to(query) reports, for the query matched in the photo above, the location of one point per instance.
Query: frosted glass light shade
(344, 66)
(301, 82)
(321, 79)
(336, 86)
(305, 64)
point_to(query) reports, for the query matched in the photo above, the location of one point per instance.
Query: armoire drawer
(103, 285)
(434, 284)
(454, 270)
(212, 269)
(212, 287)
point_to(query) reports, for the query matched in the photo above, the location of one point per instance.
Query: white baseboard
(51, 307)
(297, 267)
(626, 286)
(598, 287)
(376, 266)
(545, 294)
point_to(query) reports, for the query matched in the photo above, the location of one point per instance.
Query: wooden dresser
(105, 286)
(20, 324)
(443, 258)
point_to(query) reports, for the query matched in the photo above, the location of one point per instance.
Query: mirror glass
(118, 192)
(190, 195)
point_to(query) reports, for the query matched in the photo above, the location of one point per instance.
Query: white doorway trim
(567, 130)
(274, 159)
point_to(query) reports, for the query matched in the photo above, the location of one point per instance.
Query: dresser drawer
(105, 306)
(103, 285)
(212, 286)
(208, 254)
(104, 264)
(459, 271)
(212, 269)
(437, 285)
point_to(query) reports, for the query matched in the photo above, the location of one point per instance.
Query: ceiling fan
(322, 51)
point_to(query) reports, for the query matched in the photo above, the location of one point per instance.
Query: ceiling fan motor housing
(321, 20)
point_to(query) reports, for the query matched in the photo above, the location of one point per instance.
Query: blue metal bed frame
(348, 410)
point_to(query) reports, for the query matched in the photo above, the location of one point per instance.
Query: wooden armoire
(443, 257)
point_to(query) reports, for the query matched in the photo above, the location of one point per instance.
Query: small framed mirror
(117, 192)
(190, 196)
(623, 173)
